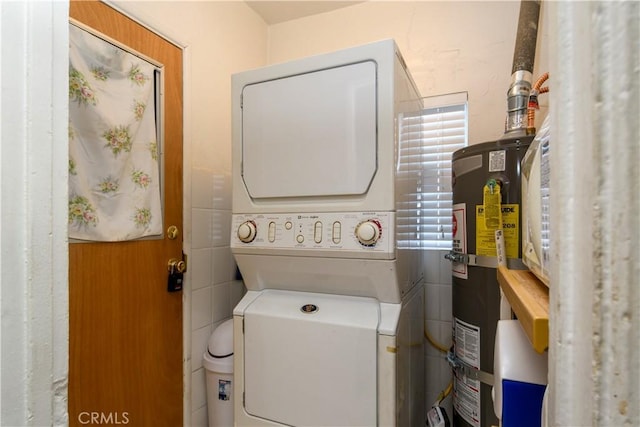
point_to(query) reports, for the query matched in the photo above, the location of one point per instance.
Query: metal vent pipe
(522, 70)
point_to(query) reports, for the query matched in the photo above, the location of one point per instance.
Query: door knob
(172, 232)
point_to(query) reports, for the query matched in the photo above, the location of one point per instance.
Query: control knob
(247, 231)
(368, 232)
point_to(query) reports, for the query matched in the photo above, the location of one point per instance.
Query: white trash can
(218, 363)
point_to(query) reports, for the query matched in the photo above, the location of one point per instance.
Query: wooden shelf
(529, 300)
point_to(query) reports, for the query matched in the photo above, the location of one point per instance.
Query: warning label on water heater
(497, 161)
(466, 398)
(459, 243)
(467, 343)
(485, 237)
(466, 390)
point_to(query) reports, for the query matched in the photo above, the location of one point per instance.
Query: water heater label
(467, 343)
(485, 237)
(497, 161)
(467, 399)
(467, 390)
(459, 244)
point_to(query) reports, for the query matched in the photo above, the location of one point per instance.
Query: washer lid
(311, 134)
(311, 359)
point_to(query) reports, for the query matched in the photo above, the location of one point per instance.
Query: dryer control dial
(247, 231)
(368, 232)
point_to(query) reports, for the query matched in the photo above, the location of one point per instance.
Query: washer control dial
(368, 232)
(247, 231)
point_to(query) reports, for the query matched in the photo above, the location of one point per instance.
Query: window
(427, 141)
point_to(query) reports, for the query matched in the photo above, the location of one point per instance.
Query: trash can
(218, 363)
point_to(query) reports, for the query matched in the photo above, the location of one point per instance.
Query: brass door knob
(172, 232)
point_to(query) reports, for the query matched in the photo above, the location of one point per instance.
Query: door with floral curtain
(125, 338)
(114, 173)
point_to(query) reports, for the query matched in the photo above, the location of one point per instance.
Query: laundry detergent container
(218, 363)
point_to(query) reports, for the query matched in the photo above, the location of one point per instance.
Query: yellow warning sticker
(491, 200)
(485, 237)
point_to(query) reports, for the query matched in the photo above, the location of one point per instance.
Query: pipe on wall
(521, 72)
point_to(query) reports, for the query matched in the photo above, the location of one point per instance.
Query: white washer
(319, 350)
(318, 202)
(311, 359)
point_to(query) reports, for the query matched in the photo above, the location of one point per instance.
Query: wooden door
(125, 338)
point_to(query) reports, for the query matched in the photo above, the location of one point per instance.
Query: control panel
(363, 231)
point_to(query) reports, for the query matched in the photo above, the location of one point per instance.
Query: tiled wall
(439, 318)
(214, 290)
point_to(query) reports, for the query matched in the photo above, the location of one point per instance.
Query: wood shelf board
(529, 300)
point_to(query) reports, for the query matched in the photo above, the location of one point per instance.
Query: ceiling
(274, 12)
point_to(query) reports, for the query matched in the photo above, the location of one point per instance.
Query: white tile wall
(199, 340)
(222, 191)
(202, 223)
(224, 267)
(200, 268)
(221, 227)
(214, 290)
(201, 304)
(201, 188)
(198, 389)
(438, 314)
(221, 302)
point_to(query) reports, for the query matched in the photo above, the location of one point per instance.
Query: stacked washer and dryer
(331, 329)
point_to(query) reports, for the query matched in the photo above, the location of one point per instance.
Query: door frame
(130, 11)
(33, 212)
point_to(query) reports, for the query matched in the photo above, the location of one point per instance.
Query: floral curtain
(114, 177)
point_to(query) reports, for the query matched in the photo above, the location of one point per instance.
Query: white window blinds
(427, 140)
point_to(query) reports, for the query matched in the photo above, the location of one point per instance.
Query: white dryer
(331, 330)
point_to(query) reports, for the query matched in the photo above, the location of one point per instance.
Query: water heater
(475, 288)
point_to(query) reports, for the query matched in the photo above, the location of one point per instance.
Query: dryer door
(310, 359)
(311, 134)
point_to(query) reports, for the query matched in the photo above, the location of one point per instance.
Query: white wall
(449, 46)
